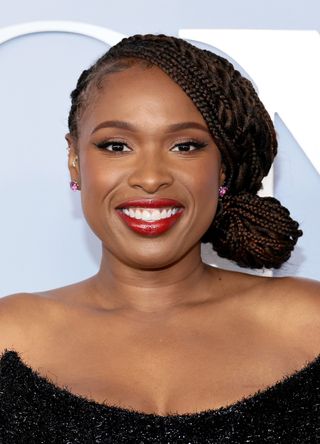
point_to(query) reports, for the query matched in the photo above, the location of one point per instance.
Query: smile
(150, 214)
(150, 221)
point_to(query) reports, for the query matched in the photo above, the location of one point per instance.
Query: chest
(165, 373)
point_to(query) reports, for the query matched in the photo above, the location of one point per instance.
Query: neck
(123, 287)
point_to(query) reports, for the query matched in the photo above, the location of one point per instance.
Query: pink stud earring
(223, 190)
(74, 185)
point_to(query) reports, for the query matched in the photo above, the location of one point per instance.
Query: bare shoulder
(294, 304)
(291, 293)
(23, 319)
(287, 308)
(30, 319)
(296, 293)
(14, 309)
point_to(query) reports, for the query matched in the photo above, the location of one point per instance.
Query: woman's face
(143, 156)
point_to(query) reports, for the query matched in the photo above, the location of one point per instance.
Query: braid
(253, 231)
(75, 100)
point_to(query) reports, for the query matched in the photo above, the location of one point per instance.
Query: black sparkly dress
(33, 410)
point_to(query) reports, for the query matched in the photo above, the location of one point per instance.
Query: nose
(150, 172)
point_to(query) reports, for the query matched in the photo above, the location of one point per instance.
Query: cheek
(205, 181)
(98, 176)
(202, 183)
(98, 180)
(207, 196)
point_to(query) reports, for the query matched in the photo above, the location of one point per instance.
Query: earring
(223, 190)
(74, 185)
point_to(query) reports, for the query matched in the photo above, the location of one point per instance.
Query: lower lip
(150, 228)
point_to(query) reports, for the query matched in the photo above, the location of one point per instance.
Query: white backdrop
(45, 242)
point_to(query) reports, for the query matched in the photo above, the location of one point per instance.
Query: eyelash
(196, 144)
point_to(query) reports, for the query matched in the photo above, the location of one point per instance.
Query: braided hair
(253, 231)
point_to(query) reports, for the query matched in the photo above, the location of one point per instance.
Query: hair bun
(253, 231)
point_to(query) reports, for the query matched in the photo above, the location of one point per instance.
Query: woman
(168, 145)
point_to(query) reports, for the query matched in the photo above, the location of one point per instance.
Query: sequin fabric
(33, 410)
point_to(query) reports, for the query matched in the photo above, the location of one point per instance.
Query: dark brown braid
(255, 232)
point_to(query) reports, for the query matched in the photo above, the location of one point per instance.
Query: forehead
(142, 94)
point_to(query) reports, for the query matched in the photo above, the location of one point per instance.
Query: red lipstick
(150, 228)
(150, 203)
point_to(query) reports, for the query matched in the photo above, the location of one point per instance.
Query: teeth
(146, 215)
(131, 212)
(150, 214)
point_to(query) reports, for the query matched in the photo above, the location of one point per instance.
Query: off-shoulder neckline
(13, 356)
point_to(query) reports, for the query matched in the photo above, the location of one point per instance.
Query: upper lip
(150, 203)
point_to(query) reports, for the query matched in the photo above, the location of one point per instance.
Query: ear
(222, 175)
(73, 158)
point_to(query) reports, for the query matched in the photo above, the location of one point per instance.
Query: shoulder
(293, 306)
(12, 307)
(12, 312)
(296, 284)
(295, 293)
(291, 292)
(287, 308)
(30, 319)
(17, 306)
(22, 319)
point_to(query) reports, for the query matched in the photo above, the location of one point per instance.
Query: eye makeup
(104, 145)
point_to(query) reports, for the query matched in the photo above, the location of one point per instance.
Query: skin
(156, 329)
(169, 264)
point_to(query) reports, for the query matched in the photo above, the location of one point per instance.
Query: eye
(190, 143)
(116, 146)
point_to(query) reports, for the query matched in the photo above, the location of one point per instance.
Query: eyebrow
(128, 126)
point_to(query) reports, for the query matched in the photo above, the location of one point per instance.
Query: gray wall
(167, 16)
